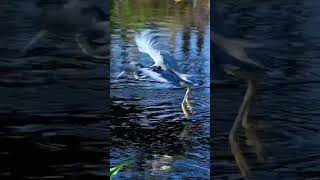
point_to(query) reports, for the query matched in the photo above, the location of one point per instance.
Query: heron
(77, 20)
(164, 70)
(235, 50)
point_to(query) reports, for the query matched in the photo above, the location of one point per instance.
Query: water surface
(147, 125)
(52, 109)
(286, 111)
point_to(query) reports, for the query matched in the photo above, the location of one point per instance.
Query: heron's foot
(245, 122)
(189, 106)
(257, 149)
(188, 102)
(185, 112)
(253, 140)
(238, 155)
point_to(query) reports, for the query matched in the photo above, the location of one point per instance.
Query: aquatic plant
(114, 171)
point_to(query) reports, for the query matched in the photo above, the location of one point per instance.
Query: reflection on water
(52, 110)
(147, 124)
(285, 115)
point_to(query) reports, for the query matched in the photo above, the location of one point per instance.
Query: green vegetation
(114, 171)
(142, 14)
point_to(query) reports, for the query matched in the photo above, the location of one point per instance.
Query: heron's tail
(146, 43)
(185, 77)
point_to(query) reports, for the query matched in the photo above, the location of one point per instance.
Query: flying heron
(77, 20)
(164, 70)
(236, 64)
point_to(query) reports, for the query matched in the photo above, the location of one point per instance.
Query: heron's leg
(237, 153)
(251, 135)
(242, 116)
(186, 114)
(245, 119)
(235, 147)
(187, 99)
(250, 132)
(252, 140)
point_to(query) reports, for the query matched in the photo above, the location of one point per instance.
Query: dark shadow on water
(284, 115)
(53, 101)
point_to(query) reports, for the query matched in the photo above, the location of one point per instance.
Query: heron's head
(156, 68)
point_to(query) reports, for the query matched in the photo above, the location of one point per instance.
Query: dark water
(52, 110)
(148, 127)
(286, 111)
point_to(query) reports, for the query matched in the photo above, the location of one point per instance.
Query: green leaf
(115, 170)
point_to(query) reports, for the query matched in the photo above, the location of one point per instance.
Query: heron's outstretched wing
(147, 44)
(154, 75)
(184, 77)
(236, 48)
(170, 62)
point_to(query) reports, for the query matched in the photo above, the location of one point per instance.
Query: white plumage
(147, 43)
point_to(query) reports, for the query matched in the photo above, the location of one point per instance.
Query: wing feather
(147, 43)
(154, 75)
